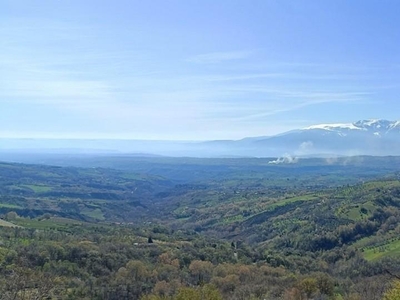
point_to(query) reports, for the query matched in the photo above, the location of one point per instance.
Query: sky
(194, 70)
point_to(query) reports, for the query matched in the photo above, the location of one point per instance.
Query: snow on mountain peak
(369, 122)
(365, 125)
(395, 124)
(331, 127)
(376, 123)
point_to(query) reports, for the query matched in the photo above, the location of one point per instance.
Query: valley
(298, 224)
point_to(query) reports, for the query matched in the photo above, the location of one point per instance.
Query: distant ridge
(365, 137)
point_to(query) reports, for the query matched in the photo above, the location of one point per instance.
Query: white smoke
(286, 159)
(344, 161)
(350, 160)
(305, 148)
(331, 160)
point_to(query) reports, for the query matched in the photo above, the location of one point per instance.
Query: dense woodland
(158, 228)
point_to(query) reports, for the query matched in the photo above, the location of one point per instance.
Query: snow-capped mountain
(375, 126)
(365, 137)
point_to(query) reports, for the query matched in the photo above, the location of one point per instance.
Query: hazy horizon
(111, 138)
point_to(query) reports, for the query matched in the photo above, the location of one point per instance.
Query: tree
(308, 286)
(325, 284)
(207, 292)
(201, 271)
(11, 216)
(394, 292)
(134, 278)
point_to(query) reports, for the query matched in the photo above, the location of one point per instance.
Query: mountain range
(365, 137)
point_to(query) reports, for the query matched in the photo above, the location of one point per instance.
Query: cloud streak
(219, 57)
(297, 100)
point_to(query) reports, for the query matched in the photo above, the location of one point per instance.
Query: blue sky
(194, 70)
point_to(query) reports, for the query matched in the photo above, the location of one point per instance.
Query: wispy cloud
(307, 99)
(218, 57)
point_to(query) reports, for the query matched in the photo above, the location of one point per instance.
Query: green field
(52, 223)
(96, 214)
(389, 249)
(7, 205)
(7, 224)
(310, 197)
(37, 188)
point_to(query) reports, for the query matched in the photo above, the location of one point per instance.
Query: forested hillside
(312, 231)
